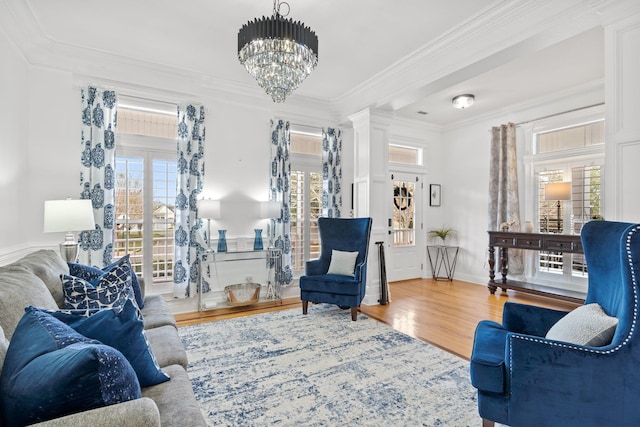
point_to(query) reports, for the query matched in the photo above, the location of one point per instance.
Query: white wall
(14, 137)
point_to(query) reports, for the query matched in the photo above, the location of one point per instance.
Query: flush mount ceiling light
(278, 52)
(463, 101)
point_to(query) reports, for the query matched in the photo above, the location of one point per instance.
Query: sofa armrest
(529, 319)
(141, 412)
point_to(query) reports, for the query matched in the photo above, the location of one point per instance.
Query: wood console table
(530, 241)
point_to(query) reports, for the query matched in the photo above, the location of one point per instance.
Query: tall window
(306, 196)
(146, 169)
(575, 154)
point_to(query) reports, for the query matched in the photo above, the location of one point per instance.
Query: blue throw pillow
(122, 330)
(111, 289)
(90, 274)
(50, 371)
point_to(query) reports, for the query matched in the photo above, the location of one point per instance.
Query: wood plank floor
(442, 313)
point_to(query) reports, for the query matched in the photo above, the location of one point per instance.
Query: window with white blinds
(306, 196)
(566, 152)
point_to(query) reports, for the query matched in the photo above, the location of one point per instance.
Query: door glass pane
(164, 196)
(403, 213)
(129, 210)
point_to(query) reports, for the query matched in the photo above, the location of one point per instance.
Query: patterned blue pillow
(90, 274)
(122, 330)
(111, 289)
(50, 371)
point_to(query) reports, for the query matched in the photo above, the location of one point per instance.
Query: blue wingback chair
(524, 379)
(341, 234)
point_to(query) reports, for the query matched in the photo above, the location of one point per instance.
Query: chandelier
(278, 52)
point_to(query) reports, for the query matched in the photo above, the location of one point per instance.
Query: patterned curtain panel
(504, 204)
(279, 183)
(189, 231)
(98, 142)
(331, 172)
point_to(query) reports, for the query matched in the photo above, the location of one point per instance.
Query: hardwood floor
(439, 312)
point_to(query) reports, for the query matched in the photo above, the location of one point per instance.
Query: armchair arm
(529, 319)
(314, 268)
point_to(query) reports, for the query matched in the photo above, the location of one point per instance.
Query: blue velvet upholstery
(524, 379)
(341, 234)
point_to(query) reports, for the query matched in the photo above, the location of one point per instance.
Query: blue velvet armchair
(525, 379)
(345, 290)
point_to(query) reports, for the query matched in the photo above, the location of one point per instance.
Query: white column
(622, 99)
(371, 147)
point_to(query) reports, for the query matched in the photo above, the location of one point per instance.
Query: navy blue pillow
(50, 371)
(122, 330)
(90, 274)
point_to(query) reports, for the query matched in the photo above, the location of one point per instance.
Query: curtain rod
(557, 114)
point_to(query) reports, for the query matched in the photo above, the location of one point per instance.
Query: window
(146, 172)
(575, 154)
(405, 155)
(306, 196)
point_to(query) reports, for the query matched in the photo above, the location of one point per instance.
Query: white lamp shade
(209, 209)
(68, 215)
(557, 191)
(270, 209)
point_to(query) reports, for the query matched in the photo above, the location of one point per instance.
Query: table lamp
(68, 216)
(209, 209)
(557, 191)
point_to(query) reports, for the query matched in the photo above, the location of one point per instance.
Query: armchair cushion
(342, 263)
(586, 325)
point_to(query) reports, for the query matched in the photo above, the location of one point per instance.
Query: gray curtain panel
(504, 205)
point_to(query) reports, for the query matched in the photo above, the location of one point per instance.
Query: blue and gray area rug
(283, 368)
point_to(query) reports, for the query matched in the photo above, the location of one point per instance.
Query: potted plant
(441, 233)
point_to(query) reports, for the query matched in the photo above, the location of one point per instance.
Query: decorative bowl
(242, 294)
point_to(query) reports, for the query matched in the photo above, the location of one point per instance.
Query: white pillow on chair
(586, 325)
(342, 263)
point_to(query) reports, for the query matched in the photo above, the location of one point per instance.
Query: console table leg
(492, 270)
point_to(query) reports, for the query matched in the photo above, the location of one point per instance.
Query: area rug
(283, 368)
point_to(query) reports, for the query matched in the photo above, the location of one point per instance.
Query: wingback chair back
(526, 378)
(346, 290)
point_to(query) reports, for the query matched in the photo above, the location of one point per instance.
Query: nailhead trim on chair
(590, 350)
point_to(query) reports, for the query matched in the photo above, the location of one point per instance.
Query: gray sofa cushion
(156, 312)
(48, 266)
(167, 346)
(19, 288)
(188, 412)
(4, 344)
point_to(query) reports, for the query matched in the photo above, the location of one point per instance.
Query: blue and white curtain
(189, 237)
(98, 143)
(280, 190)
(331, 172)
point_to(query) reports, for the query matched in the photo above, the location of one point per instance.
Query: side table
(443, 260)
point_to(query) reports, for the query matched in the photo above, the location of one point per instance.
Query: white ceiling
(361, 43)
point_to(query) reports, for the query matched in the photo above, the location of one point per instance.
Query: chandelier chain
(276, 8)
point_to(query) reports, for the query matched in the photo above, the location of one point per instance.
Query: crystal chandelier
(278, 52)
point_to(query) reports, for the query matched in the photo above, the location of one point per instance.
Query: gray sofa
(35, 280)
